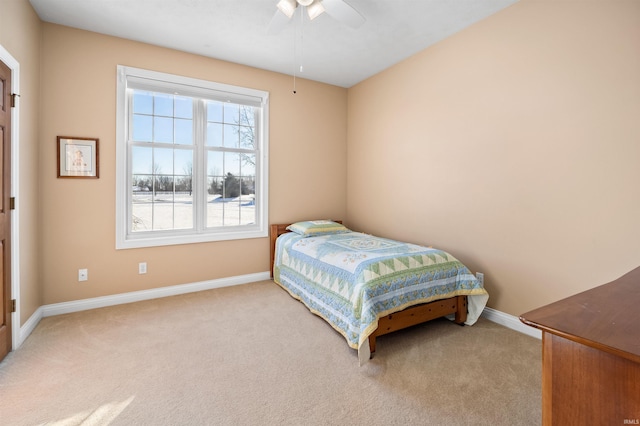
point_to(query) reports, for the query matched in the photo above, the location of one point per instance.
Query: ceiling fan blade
(278, 22)
(343, 12)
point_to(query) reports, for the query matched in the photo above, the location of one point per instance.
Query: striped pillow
(312, 228)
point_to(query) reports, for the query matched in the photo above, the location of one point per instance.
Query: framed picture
(78, 157)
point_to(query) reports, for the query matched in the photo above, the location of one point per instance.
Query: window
(191, 160)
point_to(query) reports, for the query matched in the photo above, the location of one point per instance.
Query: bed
(366, 286)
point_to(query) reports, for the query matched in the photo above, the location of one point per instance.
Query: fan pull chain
(294, 65)
(295, 51)
(301, 41)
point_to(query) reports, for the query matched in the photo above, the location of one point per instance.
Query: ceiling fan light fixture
(315, 9)
(305, 2)
(288, 7)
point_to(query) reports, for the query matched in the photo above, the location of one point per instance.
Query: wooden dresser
(591, 355)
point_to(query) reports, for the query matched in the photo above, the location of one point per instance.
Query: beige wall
(515, 145)
(307, 166)
(20, 35)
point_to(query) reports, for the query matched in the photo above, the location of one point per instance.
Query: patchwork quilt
(351, 279)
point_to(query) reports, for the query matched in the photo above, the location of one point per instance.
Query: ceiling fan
(337, 9)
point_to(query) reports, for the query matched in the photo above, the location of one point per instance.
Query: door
(5, 210)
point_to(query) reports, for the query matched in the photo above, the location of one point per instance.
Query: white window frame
(125, 239)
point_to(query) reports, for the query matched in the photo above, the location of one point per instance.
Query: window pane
(184, 131)
(247, 137)
(215, 204)
(183, 185)
(214, 111)
(141, 211)
(214, 134)
(183, 210)
(141, 160)
(162, 129)
(247, 117)
(215, 189)
(248, 164)
(231, 136)
(248, 189)
(249, 186)
(215, 165)
(163, 105)
(183, 107)
(142, 129)
(163, 161)
(142, 186)
(163, 189)
(231, 113)
(162, 215)
(232, 163)
(231, 186)
(232, 212)
(248, 209)
(183, 162)
(142, 103)
(183, 167)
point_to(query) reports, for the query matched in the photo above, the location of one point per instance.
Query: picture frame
(78, 157)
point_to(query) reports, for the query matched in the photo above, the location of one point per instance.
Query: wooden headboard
(274, 232)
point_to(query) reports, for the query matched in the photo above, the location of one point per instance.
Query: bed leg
(372, 344)
(461, 310)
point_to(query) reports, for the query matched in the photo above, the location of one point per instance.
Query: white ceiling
(236, 31)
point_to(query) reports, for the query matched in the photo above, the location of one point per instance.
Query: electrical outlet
(142, 268)
(83, 274)
(480, 277)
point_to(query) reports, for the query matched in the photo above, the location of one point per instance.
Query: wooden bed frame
(406, 318)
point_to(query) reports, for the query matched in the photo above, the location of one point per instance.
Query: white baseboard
(155, 293)
(511, 322)
(134, 296)
(27, 328)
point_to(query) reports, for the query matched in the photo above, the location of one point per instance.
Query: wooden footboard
(406, 318)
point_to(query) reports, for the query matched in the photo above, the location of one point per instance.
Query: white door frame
(14, 65)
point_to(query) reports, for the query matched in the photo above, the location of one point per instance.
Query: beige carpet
(252, 355)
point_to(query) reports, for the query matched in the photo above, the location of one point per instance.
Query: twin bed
(365, 286)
